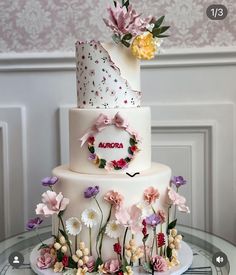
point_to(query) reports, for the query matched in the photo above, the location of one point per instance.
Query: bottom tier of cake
(112, 208)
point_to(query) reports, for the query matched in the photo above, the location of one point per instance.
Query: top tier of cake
(107, 76)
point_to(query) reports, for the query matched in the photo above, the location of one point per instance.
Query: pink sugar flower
(162, 215)
(178, 200)
(114, 198)
(159, 264)
(112, 266)
(122, 21)
(151, 195)
(45, 261)
(90, 264)
(130, 217)
(53, 203)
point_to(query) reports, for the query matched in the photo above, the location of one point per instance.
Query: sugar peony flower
(150, 195)
(53, 203)
(90, 217)
(33, 223)
(90, 264)
(49, 181)
(130, 217)
(114, 198)
(144, 46)
(178, 181)
(73, 226)
(122, 21)
(159, 264)
(45, 261)
(178, 200)
(113, 229)
(91, 192)
(112, 266)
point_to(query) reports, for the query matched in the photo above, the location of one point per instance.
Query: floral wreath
(100, 124)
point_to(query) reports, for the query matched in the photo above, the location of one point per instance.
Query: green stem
(125, 235)
(67, 239)
(102, 232)
(153, 210)
(155, 238)
(37, 234)
(145, 252)
(90, 241)
(76, 243)
(100, 226)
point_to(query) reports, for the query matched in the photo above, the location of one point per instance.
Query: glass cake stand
(204, 246)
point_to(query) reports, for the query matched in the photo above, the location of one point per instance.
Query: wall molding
(57, 61)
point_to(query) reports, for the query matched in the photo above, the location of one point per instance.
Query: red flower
(91, 140)
(121, 163)
(160, 239)
(65, 261)
(114, 162)
(144, 231)
(120, 272)
(133, 148)
(117, 248)
(144, 223)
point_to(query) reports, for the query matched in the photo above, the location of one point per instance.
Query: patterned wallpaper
(54, 25)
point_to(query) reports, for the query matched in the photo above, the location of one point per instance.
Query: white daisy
(113, 229)
(73, 226)
(90, 217)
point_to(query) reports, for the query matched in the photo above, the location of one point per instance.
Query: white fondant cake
(111, 205)
(112, 142)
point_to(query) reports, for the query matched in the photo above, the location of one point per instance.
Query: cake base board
(185, 257)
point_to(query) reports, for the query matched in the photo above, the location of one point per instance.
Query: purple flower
(91, 192)
(33, 223)
(178, 181)
(92, 156)
(49, 181)
(153, 220)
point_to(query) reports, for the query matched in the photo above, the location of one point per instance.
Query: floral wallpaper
(55, 25)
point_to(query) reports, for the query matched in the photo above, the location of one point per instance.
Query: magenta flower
(122, 21)
(178, 181)
(159, 264)
(91, 192)
(33, 223)
(53, 203)
(49, 181)
(45, 261)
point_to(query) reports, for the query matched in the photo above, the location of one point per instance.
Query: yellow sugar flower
(144, 46)
(58, 267)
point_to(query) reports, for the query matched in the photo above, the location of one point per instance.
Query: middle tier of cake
(131, 192)
(110, 140)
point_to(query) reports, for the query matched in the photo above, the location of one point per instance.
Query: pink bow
(102, 121)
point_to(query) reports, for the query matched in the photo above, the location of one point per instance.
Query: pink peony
(159, 264)
(122, 21)
(114, 198)
(112, 266)
(151, 195)
(45, 261)
(53, 203)
(90, 264)
(178, 200)
(130, 217)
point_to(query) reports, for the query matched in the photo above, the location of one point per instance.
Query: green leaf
(162, 36)
(164, 29)
(147, 267)
(169, 252)
(117, 168)
(127, 36)
(115, 4)
(102, 163)
(145, 238)
(97, 263)
(124, 264)
(72, 263)
(155, 32)
(127, 44)
(59, 255)
(132, 141)
(125, 4)
(91, 149)
(130, 151)
(159, 21)
(127, 159)
(116, 38)
(64, 235)
(172, 224)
